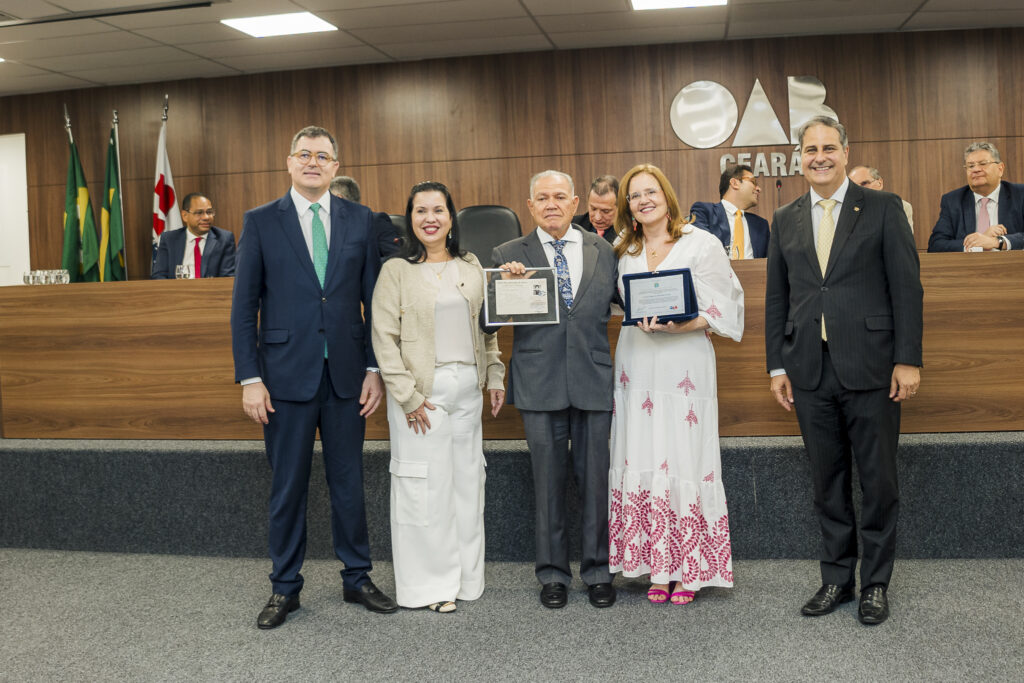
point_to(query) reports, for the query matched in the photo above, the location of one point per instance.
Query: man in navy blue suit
(986, 214)
(300, 328)
(743, 234)
(198, 243)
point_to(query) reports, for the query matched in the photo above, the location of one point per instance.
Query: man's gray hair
(872, 171)
(545, 174)
(346, 188)
(315, 132)
(824, 121)
(983, 147)
(603, 184)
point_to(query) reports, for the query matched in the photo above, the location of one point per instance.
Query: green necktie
(319, 250)
(319, 244)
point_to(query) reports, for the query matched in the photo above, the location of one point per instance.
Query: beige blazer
(403, 330)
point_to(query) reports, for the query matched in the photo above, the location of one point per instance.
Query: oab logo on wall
(704, 115)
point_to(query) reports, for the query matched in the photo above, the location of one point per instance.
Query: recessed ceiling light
(2, 59)
(675, 4)
(280, 24)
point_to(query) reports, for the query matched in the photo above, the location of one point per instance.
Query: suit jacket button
(323, 298)
(824, 289)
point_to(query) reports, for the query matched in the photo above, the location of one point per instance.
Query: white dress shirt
(730, 217)
(189, 257)
(302, 207)
(573, 252)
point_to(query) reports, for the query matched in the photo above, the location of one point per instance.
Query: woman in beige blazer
(436, 362)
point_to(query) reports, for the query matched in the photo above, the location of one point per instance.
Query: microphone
(778, 192)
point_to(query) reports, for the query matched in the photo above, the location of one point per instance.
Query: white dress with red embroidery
(667, 507)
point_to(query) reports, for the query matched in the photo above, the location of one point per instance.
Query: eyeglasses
(649, 193)
(751, 179)
(305, 156)
(979, 164)
(199, 213)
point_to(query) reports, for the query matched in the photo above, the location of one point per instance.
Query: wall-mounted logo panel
(704, 114)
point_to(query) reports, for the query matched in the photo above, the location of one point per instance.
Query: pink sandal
(681, 597)
(657, 596)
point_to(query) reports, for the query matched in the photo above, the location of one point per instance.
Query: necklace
(439, 272)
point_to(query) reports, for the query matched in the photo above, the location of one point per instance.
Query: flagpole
(120, 189)
(167, 99)
(67, 124)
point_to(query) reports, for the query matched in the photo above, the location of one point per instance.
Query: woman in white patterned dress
(667, 507)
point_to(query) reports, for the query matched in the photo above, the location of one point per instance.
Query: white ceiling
(191, 43)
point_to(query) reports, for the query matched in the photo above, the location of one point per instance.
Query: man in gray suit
(560, 379)
(843, 319)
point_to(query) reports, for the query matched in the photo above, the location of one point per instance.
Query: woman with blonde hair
(435, 362)
(667, 508)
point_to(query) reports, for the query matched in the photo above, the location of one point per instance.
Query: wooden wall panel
(153, 359)
(484, 125)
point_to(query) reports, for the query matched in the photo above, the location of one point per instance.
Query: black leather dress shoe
(826, 600)
(601, 594)
(553, 595)
(277, 609)
(874, 605)
(371, 598)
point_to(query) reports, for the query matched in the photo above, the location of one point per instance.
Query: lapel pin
(856, 208)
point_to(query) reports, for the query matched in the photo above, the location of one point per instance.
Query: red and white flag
(165, 203)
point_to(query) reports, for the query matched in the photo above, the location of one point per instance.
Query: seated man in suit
(744, 235)
(388, 239)
(601, 208)
(868, 176)
(208, 251)
(986, 214)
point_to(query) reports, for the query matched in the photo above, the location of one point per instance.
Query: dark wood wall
(483, 125)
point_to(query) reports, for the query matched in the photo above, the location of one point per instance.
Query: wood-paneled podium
(152, 359)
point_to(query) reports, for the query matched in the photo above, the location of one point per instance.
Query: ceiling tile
(73, 45)
(191, 33)
(975, 6)
(104, 60)
(964, 19)
(42, 83)
(470, 46)
(163, 71)
(824, 12)
(326, 5)
(423, 13)
(214, 13)
(669, 34)
(307, 44)
(304, 60)
(813, 26)
(613, 21)
(14, 70)
(54, 30)
(542, 7)
(446, 33)
(29, 9)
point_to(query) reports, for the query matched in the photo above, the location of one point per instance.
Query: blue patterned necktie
(319, 250)
(562, 271)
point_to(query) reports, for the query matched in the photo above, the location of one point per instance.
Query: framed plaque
(530, 299)
(667, 294)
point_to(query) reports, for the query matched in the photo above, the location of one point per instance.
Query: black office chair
(398, 220)
(482, 228)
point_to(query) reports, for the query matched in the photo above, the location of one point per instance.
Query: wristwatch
(1004, 244)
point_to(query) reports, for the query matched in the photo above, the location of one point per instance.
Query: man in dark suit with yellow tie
(743, 234)
(843, 321)
(300, 330)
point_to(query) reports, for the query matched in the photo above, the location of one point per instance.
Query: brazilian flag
(111, 219)
(81, 251)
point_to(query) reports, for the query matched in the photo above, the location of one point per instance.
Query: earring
(634, 225)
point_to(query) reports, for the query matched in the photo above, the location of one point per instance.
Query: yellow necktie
(826, 232)
(738, 246)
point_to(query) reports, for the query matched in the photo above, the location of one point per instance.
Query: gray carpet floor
(83, 616)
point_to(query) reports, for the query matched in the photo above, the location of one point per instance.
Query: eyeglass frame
(298, 157)
(199, 213)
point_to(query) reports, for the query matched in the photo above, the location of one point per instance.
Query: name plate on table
(529, 299)
(667, 294)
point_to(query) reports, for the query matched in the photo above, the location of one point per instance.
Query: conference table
(152, 359)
